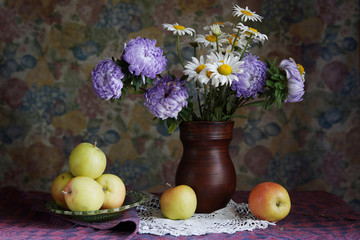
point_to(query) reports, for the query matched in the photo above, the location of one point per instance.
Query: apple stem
(168, 184)
(95, 144)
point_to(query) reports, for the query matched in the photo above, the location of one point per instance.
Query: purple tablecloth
(314, 215)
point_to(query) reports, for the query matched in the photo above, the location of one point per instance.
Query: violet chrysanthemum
(106, 79)
(295, 83)
(144, 58)
(252, 79)
(166, 98)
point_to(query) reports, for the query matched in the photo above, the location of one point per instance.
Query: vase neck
(200, 130)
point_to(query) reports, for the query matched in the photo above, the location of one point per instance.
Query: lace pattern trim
(230, 219)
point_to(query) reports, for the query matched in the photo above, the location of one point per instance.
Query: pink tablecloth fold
(23, 216)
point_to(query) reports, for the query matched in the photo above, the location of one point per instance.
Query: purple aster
(106, 79)
(252, 79)
(295, 84)
(144, 58)
(166, 98)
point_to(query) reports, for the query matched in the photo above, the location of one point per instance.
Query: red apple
(269, 201)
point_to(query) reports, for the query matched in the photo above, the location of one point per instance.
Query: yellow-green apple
(114, 190)
(269, 201)
(87, 160)
(178, 202)
(83, 194)
(58, 186)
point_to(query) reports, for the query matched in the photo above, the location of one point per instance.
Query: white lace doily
(234, 217)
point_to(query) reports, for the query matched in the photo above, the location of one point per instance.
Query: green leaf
(278, 103)
(277, 92)
(278, 85)
(172, 124)
(137, 84)
(228, 107)
(183, 78)
(226, 118)
(239, 116)
(139, 91)
(148, 80)
(254, 103)
(269, 83)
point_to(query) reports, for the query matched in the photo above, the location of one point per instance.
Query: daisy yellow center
(252, 31)
(208, 74)
(246, 13)
(210, 38)
(179, 27)
(218, 23)
(231, 40)
(225, 69)
(200, 68)
(301, 68)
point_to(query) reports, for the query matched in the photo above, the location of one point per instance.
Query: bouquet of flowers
(215, 84)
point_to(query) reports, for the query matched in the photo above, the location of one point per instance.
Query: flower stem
(246, 46)
(234, 41)
(205, 101)
(178, 50)
(239, 102)
(211, 98)
(198, 98)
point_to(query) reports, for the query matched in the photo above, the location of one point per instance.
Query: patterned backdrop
(47, 104)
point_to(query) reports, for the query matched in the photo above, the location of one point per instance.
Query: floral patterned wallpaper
(47, 104)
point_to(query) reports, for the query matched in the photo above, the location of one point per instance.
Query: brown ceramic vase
(206, 165)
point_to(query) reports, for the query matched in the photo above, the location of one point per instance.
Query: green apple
(178, 202)
(83, 194)
(269, 201)
(58, 186)
(87, 160)
(114, 190)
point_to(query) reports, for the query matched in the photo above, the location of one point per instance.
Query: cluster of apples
(86, 187)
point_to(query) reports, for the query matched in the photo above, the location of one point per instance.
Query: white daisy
(243, 28)
(178, 29)
(215, 29)
(205, 76)
(208, 28)
(249, 31)
(220, 24)
(210, 39)
(194, 68)
(245, 14)
(260, 37)
(223, 68)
